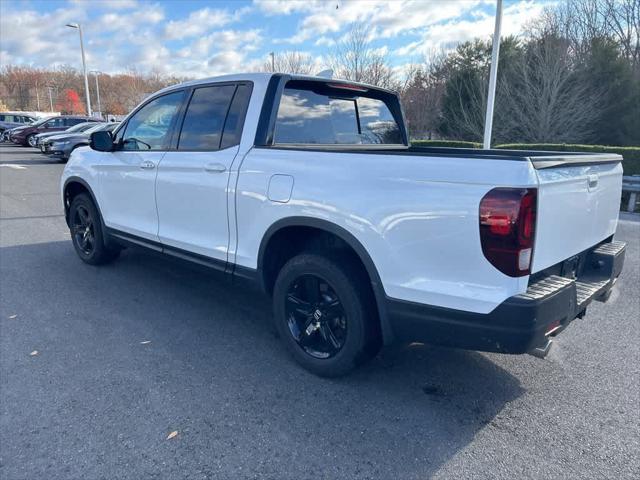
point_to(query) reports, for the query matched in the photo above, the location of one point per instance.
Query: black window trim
(242, 119)
(171, 130)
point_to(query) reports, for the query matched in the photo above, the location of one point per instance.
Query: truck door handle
(215, 168)
(592, 181)
(147, 165)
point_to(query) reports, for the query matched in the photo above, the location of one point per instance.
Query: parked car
(26, 134)
(4, 136)
(80, 127)
(310, 189)
(9, 120)
(62, 145)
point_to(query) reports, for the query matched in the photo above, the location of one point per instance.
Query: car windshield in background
(80, 127)
(109, 127)
(328, 116)
(41, 122)
(98, 127)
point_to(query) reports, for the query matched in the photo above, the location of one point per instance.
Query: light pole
(84, 65)
(96, 73)
(493, 73)
(50, 99)
(273, 61)
(37, 96)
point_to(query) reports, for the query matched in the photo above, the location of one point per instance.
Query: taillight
(507, 229)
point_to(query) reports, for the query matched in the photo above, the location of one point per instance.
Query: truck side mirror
(101, 141)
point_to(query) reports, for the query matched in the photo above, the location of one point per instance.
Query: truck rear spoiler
(541, 160)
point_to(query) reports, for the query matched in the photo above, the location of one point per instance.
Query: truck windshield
(334, 114)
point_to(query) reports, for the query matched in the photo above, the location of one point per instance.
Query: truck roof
(263, 78)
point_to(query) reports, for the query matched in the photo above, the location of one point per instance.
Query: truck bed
(538, 158)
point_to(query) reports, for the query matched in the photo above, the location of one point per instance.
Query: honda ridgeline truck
(309, 188)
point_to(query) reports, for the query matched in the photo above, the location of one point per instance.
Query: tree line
(62, 89)
(572, 77)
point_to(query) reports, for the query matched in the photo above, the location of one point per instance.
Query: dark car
(26, 135)
(9, 120)
(61, 145)
(80, 127)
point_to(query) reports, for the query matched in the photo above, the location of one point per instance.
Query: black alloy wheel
(315, 316)
(86, 232)
(324, 312)
(83, 230)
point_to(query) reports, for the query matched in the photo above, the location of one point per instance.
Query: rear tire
(329, 332)
(86, 232)
(31, 141)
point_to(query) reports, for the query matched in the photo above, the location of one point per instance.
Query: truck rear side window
(322, 115)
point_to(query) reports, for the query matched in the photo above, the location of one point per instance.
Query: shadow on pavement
(96, 399)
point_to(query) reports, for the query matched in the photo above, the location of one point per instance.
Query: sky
(205, 38)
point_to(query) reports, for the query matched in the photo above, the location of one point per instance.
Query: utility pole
(84, 65)
(273, 61)
(493, 73)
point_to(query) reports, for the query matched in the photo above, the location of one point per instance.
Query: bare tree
(422, 95)
(545, 100)
(354, 58)
(290, 62)
(581, 21)
(622, 18)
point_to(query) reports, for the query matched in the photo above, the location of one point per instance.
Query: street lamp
(49, 87)
(84, 65)
(96, 73)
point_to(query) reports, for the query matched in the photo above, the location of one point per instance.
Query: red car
(26, 135)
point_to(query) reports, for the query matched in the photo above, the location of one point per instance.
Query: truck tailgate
(578, 205)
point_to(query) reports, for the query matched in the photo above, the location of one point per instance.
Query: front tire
(324, 313)
(86, 232)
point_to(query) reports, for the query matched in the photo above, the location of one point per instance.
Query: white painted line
(15, 167)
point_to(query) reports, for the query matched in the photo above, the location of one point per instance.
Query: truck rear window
(319, 114)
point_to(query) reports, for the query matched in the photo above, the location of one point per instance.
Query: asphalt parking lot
(99, 365)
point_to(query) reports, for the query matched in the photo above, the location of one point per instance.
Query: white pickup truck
(309, 188)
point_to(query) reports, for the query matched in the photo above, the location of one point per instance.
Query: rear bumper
(521, 324)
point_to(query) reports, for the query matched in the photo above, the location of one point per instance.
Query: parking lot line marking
(15, 167)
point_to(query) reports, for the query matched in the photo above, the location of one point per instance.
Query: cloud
(198, 22)
(25, 41)
(118, 4)
(162, 36)
(384, 18)
(220, 52)
(448, 35)
(136, 21)
(285, 7)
